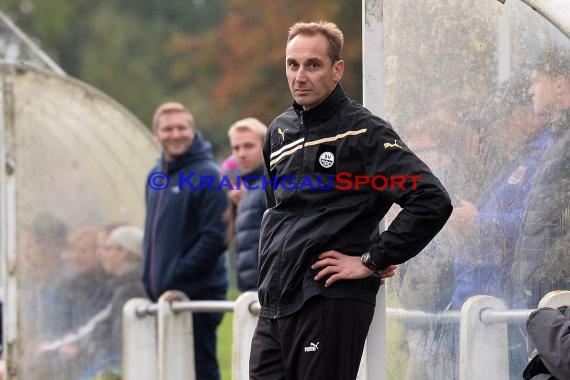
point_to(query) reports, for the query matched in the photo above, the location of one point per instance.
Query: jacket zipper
(305, 133)
(298, 216)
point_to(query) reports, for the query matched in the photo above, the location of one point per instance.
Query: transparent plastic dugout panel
(457, 79)
(74, 161)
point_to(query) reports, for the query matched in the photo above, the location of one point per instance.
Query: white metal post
(374, 362)
(139, 342)
(175, 339)
(12, 345)
(243, 328)
(483, 346)
(555, 299)
(503, 44)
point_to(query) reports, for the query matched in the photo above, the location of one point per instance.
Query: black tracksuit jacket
(327, 146)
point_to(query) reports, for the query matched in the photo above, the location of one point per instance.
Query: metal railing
(158, 338)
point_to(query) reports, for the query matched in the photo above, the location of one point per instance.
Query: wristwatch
(366, 260)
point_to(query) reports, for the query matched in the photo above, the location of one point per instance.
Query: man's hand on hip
(338, 266)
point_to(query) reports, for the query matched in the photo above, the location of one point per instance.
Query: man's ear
(338, 70)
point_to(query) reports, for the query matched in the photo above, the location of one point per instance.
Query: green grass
(396, 338)
(225, 340)
(397, 355)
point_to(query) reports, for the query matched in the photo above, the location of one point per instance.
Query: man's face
(174, 132)
(247, 149)
(543, 93)
(311, 74)
(33, 251)
(112, 257)
(523, 122)
(80, 255)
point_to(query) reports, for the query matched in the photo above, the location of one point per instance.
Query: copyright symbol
(158, 181)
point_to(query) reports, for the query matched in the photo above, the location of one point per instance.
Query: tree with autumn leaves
(222, 58)
(240, 66)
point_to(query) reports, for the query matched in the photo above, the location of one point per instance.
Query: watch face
(366, 260)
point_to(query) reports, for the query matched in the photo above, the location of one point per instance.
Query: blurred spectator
(121, 259)
(542, 260)
(476, 246)
(41, 245)
(102, 237)
(492, 223)
(84, 294)
(87, 291)
(246, 139)
(426, 282)
(230, 170)
(184, 228)
(97, 344)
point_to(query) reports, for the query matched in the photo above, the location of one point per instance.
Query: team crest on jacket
(326, 159)
(517, 176)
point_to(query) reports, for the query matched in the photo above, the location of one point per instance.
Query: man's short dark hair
(48, 228)
(171, 107)
(554, 61)
(328, 29)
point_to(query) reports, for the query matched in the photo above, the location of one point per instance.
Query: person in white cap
(122, 259)
(100, 338)
(124, 250)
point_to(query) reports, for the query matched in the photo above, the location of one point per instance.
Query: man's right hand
(463, 216)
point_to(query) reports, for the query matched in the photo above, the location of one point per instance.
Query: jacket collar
(324, 110)
(561, 125)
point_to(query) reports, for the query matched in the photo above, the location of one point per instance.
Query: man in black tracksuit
(334, 170)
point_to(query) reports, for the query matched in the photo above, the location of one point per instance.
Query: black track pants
(322, 341)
